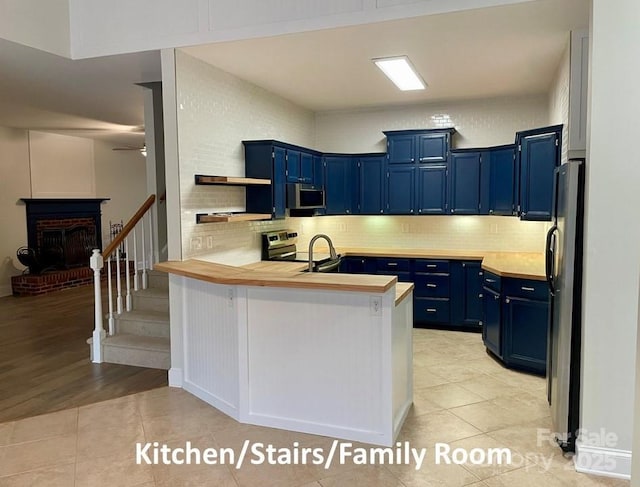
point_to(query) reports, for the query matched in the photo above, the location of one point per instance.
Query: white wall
(34, 23)
(100, 27)
(216, 111)
(14, 184)
(120, 176)
(480, 123)
(559, 99)
(61, 166)
(612, 240)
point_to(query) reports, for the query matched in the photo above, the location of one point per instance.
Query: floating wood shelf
(231, 217)
(231, 181)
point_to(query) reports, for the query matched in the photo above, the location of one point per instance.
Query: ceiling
(499, 51)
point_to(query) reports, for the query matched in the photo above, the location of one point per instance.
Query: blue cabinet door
(318, 171)
(466, 293)
(278, 186)
(464, 183)
(525, 333)
(433, 147)
(401, 149)
(432, 189)
(371, 182)
(491, 324)
(400, 189)
(499, 188)
(293, 166)
(539, 156)
(338, 185)
(306, 168)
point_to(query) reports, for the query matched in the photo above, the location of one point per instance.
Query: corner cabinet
(515, 321)
(539, 154)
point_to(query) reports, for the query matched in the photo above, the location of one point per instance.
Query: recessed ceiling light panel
(399, 70)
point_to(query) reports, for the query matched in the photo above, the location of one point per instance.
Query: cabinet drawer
(433, 310)
(402, 276)
(431, 285)
(492, 281)
(399, 265)
(526, 288)
(434, 266)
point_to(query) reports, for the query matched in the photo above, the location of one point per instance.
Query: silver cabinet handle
(480, 295)
(431, 310)
(431, 285)
(525, 288)
(431, 266)
(507, 300)
(496, 296)
(490, 280)
(392, 263)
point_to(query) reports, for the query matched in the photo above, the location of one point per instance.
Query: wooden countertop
(224, 274)
(402, 291)
(273, 266)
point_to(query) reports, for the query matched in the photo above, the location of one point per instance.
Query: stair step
(143, 323)
(158, 280)
(152, 299)
(139, 351)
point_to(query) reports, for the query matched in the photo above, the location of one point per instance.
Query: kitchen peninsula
(327, 354)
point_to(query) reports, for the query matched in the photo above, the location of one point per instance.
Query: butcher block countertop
(402, 291)
(224, 274)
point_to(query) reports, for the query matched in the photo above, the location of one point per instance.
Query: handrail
(115, 243)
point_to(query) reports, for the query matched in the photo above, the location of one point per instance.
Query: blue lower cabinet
(525, 333)
(402, 276)
(431, 310)
(431, 285)
(358, 265)
(491, 322)
(466, 293)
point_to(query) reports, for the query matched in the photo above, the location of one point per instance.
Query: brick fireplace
(61, 234)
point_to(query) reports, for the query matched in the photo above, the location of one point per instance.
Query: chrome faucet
(332, 249)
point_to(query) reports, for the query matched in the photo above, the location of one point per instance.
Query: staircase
(141, 335)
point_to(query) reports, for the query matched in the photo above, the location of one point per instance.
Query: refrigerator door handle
(549, 259)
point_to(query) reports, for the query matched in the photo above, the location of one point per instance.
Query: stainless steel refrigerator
(564, 275)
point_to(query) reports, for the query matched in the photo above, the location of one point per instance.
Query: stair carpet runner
(142, 334)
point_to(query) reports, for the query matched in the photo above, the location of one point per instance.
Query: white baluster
(127, 272)
(118, 284)
(110, 290)
(135, 261)
(144, 260)
(97, 263)
(151, 256)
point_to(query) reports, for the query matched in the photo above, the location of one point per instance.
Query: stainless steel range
(282, 246)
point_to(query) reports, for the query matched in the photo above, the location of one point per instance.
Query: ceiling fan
(142, 150)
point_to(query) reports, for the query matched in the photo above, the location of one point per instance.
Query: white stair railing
(113, 252)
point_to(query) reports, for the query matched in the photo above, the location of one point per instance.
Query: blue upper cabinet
(401, 183)
(433, 147)
(418, 146)
(371, 184)
(299, 166)
(431, 196)
(539, 155)
(401, 148)
(265, 160)
(339, 185)
(464, 182)
(318, 172)
(499, 181)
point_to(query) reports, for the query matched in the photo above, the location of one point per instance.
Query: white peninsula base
(328, 362)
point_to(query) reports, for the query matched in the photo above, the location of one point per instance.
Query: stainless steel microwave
(304, 196)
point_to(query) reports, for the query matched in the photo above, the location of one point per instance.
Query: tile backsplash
(436, 232)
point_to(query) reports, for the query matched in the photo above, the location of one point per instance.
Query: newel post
(96, 262)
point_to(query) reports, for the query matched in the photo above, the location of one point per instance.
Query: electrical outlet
(231, 297)
(196, 243)
(375, 306)
(210, 242)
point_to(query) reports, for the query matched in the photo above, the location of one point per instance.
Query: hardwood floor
(44, 357)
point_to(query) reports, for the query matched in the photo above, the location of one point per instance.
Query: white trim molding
(608, 462)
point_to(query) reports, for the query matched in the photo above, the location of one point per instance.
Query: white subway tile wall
(433, 232)
(216, 111)
(479, 123)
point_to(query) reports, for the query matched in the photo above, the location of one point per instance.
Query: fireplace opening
(64, 248)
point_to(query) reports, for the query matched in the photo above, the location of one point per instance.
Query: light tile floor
(462, 397)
